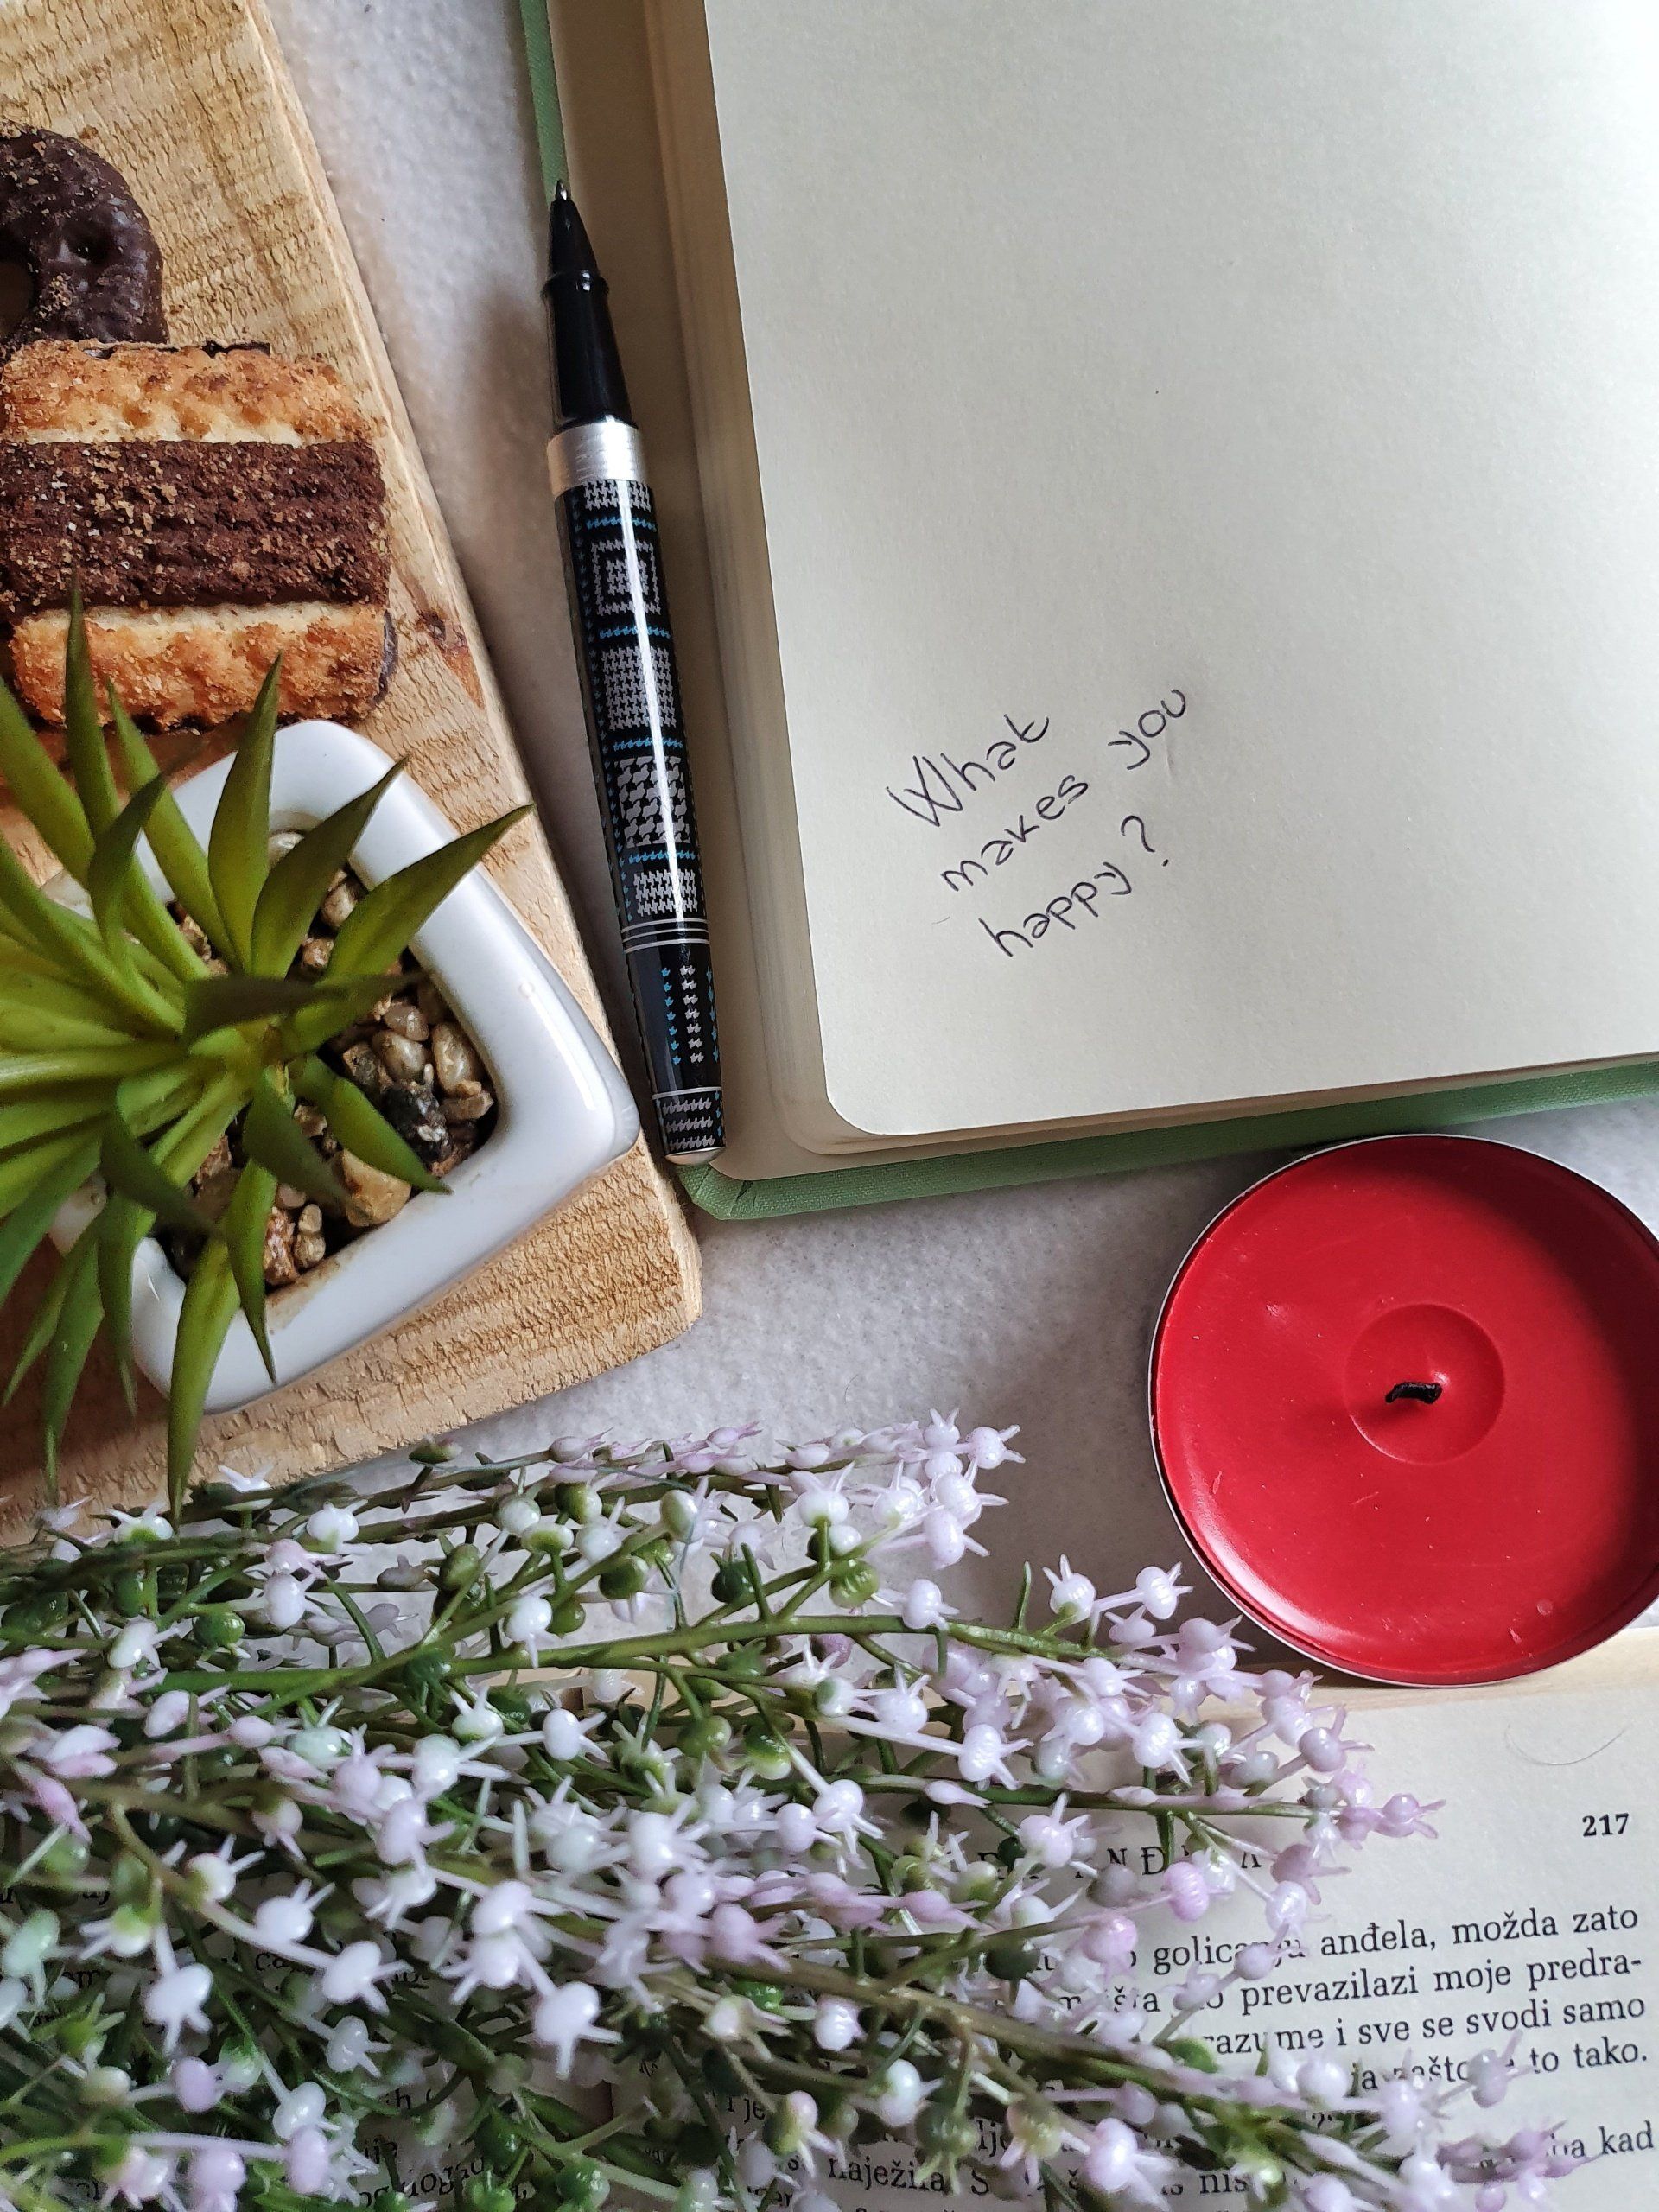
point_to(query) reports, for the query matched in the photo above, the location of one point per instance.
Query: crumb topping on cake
(62, 390)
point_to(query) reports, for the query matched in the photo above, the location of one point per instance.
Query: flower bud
(730, 1582)
(835, 2024)
(680, 1514)
(283, 1601)
(29, 1946)
(790, 2123)
(623, 1578)
(64, 1858)
(210, 1878)
(321, 1747)
(581, 2185)
(549, 1533)
(854, 1582)
(301, 2108)
(462, 1568)
(899, 2091)
(239, 2067)
(766, 1752)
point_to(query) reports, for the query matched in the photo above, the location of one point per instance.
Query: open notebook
(1180, 499)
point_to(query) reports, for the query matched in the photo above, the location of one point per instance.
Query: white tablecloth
(1034, 1306)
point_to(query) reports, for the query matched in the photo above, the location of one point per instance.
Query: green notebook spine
(544, 92)
(1120, 1152)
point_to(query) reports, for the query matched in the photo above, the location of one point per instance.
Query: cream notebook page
(1208, 469)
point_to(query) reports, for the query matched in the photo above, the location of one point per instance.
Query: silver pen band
(589, 452)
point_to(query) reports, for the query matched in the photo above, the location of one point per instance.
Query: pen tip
(569, 254)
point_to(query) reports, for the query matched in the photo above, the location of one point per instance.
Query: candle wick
(1424, 1393)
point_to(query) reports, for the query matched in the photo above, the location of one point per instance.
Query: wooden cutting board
(191, 101)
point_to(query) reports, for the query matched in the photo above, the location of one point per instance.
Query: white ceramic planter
(564, 1111)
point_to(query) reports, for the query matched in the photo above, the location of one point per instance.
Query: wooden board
(190, 99)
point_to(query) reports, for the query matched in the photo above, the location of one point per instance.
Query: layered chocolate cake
(216, 506)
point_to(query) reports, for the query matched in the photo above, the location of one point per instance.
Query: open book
(1178, 484)
(1530, 1918)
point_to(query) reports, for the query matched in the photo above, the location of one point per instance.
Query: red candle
(1405, 1398)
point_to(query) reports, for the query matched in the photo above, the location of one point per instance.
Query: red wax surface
(1510, 1524)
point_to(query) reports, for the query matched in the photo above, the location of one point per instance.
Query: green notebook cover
(1119, 1151)
(1110, 1154)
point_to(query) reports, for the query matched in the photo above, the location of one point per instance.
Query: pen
(631, 693)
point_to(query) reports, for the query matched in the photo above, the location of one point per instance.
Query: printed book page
(1207, 462)
(1534, 1915)
(1531, 1915)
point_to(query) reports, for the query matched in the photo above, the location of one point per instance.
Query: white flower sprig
(335, 1823)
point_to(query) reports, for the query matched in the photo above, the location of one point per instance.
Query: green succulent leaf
(83, 728)
(113, 874)
(225, 1001)
(39, 923)
(24, 1073)
(299, 881)
(40, 790)
(79, 1315)
(120, 1052)
(164, 977)
(24, 1167)
(178, 852)
(379, 927)
(70, 939)
(45, 1113)
(159, 935)
(162, 952)
(122, 1227)
(135, 1173)
(125, 1221)
(43, 1327)
(26, 1225)
(205, 1318)
(272, 1136)
(335, 1002)
(36, 1001)
(239, 842)
(122, 892)
(361, 1127)
(243, 1229)
(209, 1295)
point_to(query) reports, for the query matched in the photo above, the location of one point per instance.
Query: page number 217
(1603, 1823)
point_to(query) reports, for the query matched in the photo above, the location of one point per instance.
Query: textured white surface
(1033, 1305)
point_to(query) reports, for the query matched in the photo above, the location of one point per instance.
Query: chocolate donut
(69, 219)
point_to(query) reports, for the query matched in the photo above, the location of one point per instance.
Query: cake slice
(216, 505)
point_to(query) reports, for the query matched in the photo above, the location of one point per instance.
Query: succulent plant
(125, 1055)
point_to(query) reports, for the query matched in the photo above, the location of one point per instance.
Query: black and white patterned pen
(631, 692)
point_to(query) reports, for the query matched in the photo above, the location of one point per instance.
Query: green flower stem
(1093, 2064)
(38, 2146)
(671, 1643)
(1042, 1793)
